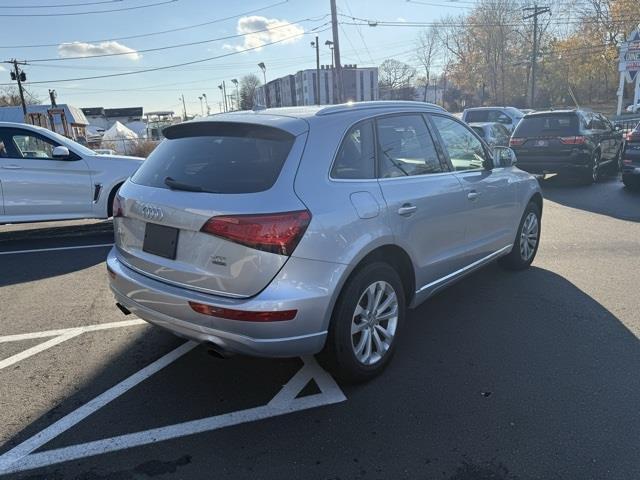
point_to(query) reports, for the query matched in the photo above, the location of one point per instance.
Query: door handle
(473, 195)
(407, 209)
(12, 167)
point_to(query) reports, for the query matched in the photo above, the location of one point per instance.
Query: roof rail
(351, 106)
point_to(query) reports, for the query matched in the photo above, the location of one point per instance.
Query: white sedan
(45, 176)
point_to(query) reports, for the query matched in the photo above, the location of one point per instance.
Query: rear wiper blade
(175, 185)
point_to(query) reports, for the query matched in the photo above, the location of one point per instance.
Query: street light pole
(316, 44)
(201, 108)
(206, 102)
(235, 82)
(263, 67)
(184, 108)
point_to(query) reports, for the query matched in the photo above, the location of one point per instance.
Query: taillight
(273, 232)
(633, 137)
(516, 142)
(117, 206)
(575, 140)
(627, 162)
(243, 315)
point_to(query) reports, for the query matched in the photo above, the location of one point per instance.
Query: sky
(65, 42)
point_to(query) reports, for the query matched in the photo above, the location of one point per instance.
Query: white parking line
(68, 421)
(61, 335)
(76, 247)
(7, 362)
(21, 458)
(63, 331)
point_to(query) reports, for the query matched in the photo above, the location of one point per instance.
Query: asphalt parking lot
(530, 375)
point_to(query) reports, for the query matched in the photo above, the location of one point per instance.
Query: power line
(177, 45)
(61, 5)
(165, 67)
(90, 12)
(160, 32)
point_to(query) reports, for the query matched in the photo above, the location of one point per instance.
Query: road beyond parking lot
(530, 375)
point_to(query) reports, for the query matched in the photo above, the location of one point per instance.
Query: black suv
(567, 141)
(631, 159)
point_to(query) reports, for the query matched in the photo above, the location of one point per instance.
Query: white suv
(45, 176)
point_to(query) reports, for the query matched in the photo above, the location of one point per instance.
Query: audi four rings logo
(151, 213)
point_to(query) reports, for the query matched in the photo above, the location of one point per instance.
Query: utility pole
(184, 108)
(316, 45)
(336, 52)
(19, 76)
(534, 53)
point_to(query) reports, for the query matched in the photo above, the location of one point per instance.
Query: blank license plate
(160, 240)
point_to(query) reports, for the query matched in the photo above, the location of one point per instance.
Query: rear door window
(547, 126)
(220, 157)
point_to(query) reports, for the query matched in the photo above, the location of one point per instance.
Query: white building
(360, 84)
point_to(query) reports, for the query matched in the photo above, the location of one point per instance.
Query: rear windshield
(547, 125)
(217, 158)
(477, 116)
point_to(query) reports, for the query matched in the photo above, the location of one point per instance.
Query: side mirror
(504, 157)
(61, 152)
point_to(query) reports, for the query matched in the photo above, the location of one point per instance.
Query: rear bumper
(307, 286)
(575, 163)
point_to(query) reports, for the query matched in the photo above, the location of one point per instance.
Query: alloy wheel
(529, 236)
(374, 322)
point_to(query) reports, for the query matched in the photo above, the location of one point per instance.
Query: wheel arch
(112, 193)
(537, 199)
(395, 256)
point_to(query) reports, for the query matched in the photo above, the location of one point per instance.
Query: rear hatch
(549, 136)
(213, 207)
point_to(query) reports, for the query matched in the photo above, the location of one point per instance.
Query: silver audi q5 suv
(306, 230)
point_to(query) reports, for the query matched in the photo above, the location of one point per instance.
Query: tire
(340, 355)
(517, 260)
(592, 174)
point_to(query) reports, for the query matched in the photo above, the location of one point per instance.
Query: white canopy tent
(120, 138)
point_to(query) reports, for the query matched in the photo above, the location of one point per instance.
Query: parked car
(104, 151)
(495, 134)
(633, 108)
(295, 231)
(572, 142)
(631, 159)
(507, 116)
(45, 176)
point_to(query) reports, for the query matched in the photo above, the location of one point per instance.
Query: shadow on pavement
(502, 376)
(607, 197)
(22, 268)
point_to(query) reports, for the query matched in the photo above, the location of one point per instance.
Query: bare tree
(427, 52)
(395, 80)
(248, 85)
(9, 97)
